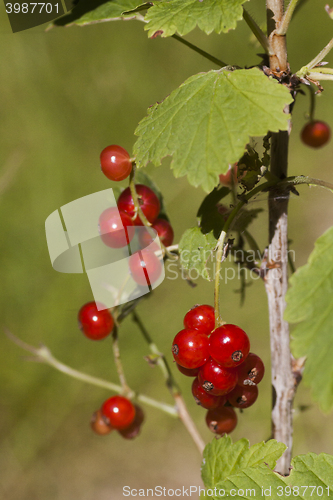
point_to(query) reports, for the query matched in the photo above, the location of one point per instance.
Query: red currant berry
(119, 411)
(145, 267)
(230, 178)
(316, 134)
(115, 163)
(99, 424)
(190, 348)
(243, 397)
(216, 379)
(148, 200)
(95, 324)
(204, 399)
(251, 371)
(134, 429)
(222, 420)
(200, 318)
(189, 372)
(229, 345)
(115, 228)
(164, 231)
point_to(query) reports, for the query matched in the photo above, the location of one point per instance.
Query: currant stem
(172, 385)
(219, 259)
(161, 360)
(257, 31)
(200, 51)
(117, 359)
(44, 355)
(283, 27)
(136, 202)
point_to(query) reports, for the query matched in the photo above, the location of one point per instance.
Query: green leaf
(223, 459)
(206, 123)
(170, 16)
(212, 218)
(237, 471)
(93, 11)
(310, 303)
(195, 251)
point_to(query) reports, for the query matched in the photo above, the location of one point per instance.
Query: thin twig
(172, 385)
(44, 355)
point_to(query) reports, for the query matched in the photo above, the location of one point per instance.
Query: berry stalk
(172, 385)
(43, 355)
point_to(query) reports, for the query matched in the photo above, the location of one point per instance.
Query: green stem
(283, 27)
(257, 31)
(208, 56)
(306, 69)
(172, 386)
(161, 360)
(43, 354)
(119, 366)
(138, 210)
(219, 260)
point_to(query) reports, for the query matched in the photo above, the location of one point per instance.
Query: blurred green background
(65, 95)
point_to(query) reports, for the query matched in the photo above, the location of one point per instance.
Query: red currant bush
(200, 318)
(119, 412)
(95, 324)
(204, 399)
(145, 267)
(99, 424)
(134, 429)
(190, 348)
(243, 397)
(316, 134)
(115, 228)
(251, 371)
(229, 345)
(222, 420)
(216, 379)
(148, 201)
(115, 163)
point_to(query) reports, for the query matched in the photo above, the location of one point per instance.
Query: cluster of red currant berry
(117, 223)
(118, 413)
(226, 372)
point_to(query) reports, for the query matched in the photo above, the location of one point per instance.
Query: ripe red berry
(200, 318)
(229, 345)
(134, 429)
(119, 412)
(188, 372)
(116, 228)
(145, 267)
(251, 371)
(316, 134)
(222, 420)
(216, 379)
(95, 324)
(148, 201)
(99, 424)
(230, 178)
(115, 163)
(190, 348)
(243, 397)
(164, 231)
(204, 399)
